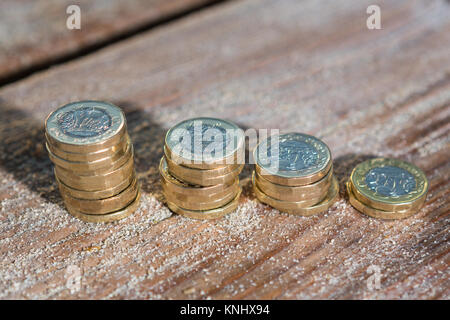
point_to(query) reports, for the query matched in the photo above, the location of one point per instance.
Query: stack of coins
(294, 174)
(387, 188)
(94, 165)
(200, 168)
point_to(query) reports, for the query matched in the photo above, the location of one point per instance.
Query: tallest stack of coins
(199, 171)
(94, 165)
(294, 174)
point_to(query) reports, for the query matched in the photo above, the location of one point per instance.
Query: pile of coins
(94, 165)
(200, 167)
(294, 174)
(387, 188)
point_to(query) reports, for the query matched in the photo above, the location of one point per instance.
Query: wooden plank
(34, 33)
(307, 66)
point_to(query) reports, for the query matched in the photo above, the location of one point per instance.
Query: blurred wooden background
(310, 66)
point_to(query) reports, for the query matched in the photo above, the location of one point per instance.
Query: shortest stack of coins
(294, 174)
(387, 188)
(200, 168)
(94, 165)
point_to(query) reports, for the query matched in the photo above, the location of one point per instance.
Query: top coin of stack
(387, 188)
(94, 165)
(199, 171)
(294, 174)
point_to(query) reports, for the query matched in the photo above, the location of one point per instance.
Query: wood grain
(309, 66)
(34, 33)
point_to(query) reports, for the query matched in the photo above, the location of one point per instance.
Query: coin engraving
(208, 132)
(390, 181)
(295, 155)
(82, 122)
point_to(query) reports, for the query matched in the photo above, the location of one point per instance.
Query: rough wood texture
(34, 31)
(309, 66)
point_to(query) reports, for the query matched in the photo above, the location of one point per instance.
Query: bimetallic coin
(104, 206)
(96, 182)
(389, 184)
(292, 159)
(187, 175)
(204, 143)
(206, 214)
(92, 156)
(377, 213)
(110, 217)
(85, 126)
(95, 195)
(195, 204)
(325, 204)
(315, 190)
(181, 187)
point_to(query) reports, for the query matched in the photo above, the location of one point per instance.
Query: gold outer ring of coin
(200, 173)
(96, 182)
(315, 190)
(414, 205)
(104, 206)
(375, 213)
(182, 174)
(192, 204)
(294, 181)
(237, 157)
(95, 195)
(206, 214)
(324, 205)
(110, 217)
(167, 188)
(99, 166)
(91, 156)
(87, 147)
(187, 189)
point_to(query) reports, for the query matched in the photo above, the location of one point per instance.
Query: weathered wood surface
(309, 66)
(34, 32)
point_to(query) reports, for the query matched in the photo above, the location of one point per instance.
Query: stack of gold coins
(387, 188)
(200, 168)
(94, 165)
(294, 174)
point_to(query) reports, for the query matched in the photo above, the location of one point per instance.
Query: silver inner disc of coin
(204, 139)
(390, 181)
(292, 155)
(85, 122)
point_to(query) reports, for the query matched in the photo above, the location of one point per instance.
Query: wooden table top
(309, 66)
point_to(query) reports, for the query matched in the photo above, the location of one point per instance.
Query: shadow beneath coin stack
(148, 141)
(343, 167)
(23, 153)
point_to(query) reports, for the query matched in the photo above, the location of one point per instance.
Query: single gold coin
(100, 166)
(91, 156)
(95, 195)
(314, 191)
(415, 205)
(186, 174)
(204, 143)
(376, 213)
(183, 197)
(206, 214)
(182, 187)
(85, 126)
(103, 206)
(292, 159)
(194, 204)
(325, 204)
(389, 184)
(96, 182)
(110, 217)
